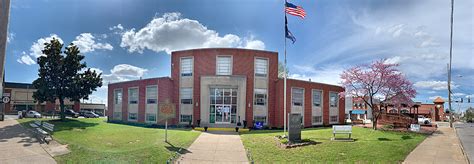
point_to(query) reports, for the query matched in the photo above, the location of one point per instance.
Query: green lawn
(95, 141)
(370, 147)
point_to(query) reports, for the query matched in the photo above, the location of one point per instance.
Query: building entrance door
(223, 105)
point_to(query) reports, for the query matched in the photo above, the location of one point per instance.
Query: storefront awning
(358, 112)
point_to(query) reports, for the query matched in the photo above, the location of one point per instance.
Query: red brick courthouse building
(219, 87)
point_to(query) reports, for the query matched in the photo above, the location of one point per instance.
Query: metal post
(284, 79)
(450, 67)
(166, 130)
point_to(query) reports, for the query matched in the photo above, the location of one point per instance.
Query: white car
(33, 114)
(424, 120)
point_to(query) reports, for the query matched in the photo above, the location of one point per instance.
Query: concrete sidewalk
(18, 146)
(442, 146)
(215, 147)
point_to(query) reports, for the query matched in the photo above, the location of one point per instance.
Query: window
(317, 119)
(333, 99)
(132, 116)
(297, 96)
(118, 96)
(260, 96)
(151, 94)
(317, 98)
(117, 115)
(224, 65)
(260, 119)
(186, 66)
(186, 118)
(150, 117)
(186, 95)
(133, 95)
(333, 119)
(261, 67)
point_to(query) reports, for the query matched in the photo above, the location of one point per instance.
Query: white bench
(342, 129)
(36, 124)
(46, 135)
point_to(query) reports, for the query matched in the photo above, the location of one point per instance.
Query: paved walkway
(216, 147)
(441, 147)
(17, 146)
(466, 135)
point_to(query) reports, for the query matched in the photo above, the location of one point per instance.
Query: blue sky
(129, 39)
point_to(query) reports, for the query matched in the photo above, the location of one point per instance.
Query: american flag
(294, 10)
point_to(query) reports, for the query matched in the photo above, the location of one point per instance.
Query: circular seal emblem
(6, 99)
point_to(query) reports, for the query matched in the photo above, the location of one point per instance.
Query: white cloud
(328, 75)
(116, 27)
(86, 43)
(25, 59)
(459, 94)
(434, 85)
(171, 32)
(123, 72)
(38, 46)
(10, 37)
(434, 97)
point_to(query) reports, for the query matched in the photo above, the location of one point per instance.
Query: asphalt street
(466, 135)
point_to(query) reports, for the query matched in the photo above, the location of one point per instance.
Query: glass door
(223, 105)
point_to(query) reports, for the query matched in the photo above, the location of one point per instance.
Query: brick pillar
(77, 106)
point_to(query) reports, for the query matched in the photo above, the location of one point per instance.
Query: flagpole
(284, 79)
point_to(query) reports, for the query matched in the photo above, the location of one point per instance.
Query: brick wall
(242, 64)
(308, 87)
(165, 88)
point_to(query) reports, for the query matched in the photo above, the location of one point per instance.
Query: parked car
(424, 120)
(71, 113)
(33, 114)
(89, 114)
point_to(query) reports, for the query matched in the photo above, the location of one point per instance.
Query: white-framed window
(133, 95)
(317, 98)
(261, 67)
(333, 119)
(132, 116)
(152, 94)
(185, 118)
(187, 66)
(150, 117)
(260, 119)
(317, 119)
(224, 65)
(186, 95)
(333, 99)
(260, 97)
(118, 96)
(117, 115)
(297, 96)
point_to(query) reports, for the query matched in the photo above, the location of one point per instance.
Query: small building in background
(21, 99)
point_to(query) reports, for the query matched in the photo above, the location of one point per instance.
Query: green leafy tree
(62, 76)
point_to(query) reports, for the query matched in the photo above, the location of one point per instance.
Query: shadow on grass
(153, 126)
(64, 125)
(384, 139)
(173, 148)
(406, 137)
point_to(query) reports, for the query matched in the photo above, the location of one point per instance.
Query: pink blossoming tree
(379, 80)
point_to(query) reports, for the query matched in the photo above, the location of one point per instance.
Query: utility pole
(4, 18)
(450, 67)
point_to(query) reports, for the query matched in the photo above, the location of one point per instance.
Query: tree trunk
(374, 123)
(61, 106)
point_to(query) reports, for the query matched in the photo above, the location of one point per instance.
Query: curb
(460, 145)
